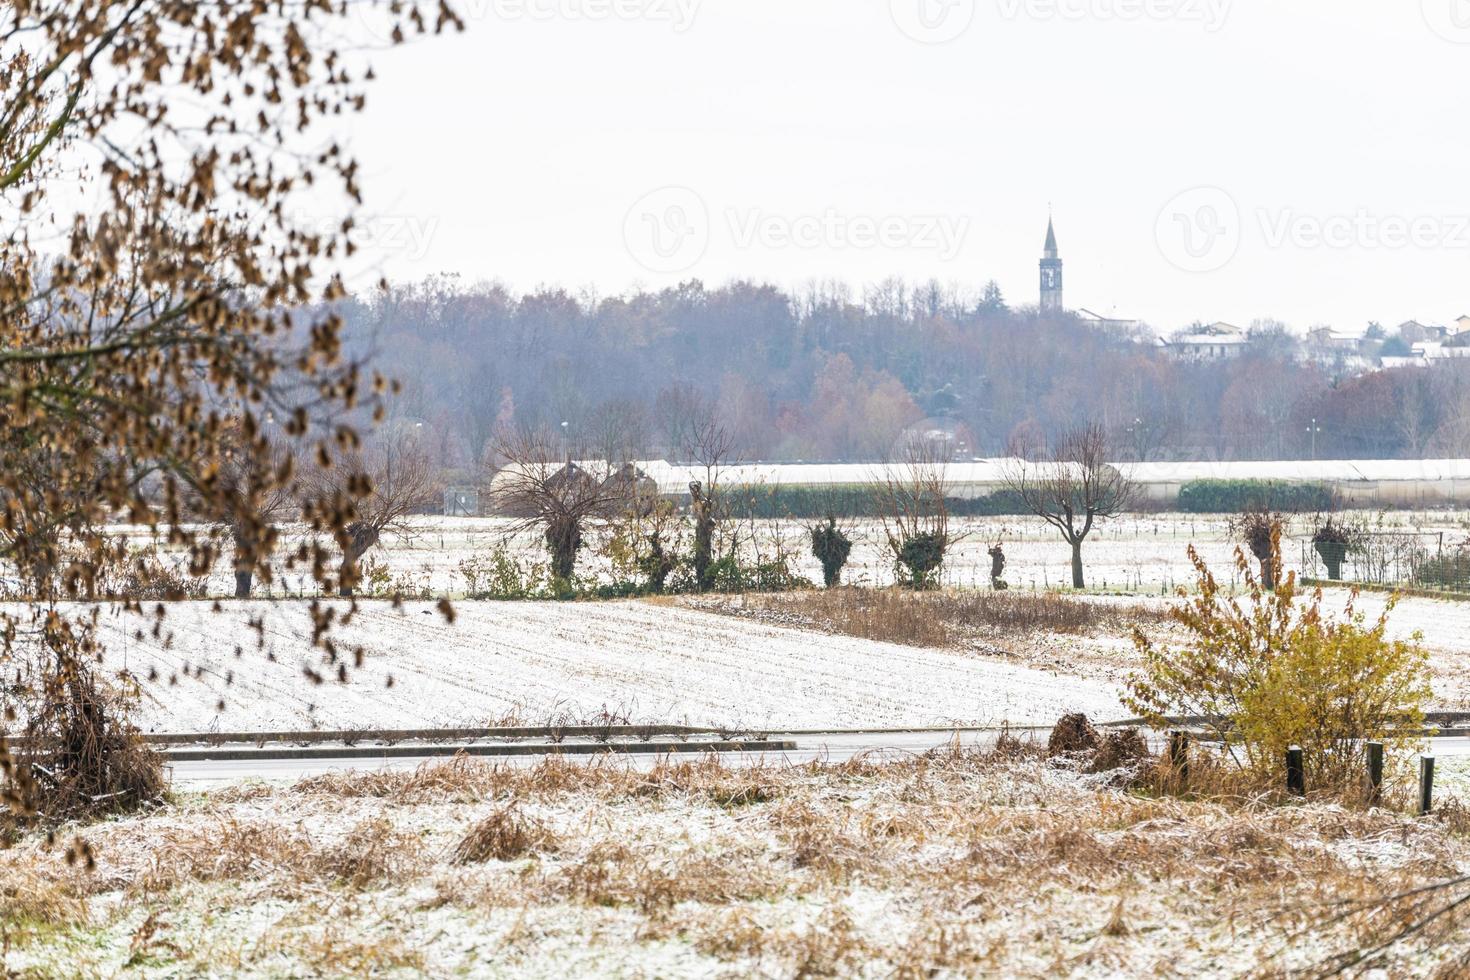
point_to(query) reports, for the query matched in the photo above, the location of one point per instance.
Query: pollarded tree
(1071, 487)
(562, 497)
(912, 498)
(831, 546)
(709, 446)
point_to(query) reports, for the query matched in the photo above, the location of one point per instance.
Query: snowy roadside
(956, 864)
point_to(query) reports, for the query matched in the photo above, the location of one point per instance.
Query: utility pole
(1313, 429)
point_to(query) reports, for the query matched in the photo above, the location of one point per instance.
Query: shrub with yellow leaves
(1268, 670)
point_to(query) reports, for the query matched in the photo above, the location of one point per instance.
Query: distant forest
(823, 375)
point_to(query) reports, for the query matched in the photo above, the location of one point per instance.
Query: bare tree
(1072, 487)
(911, 495)
(248, 485)
(709, 446)
(368, 492)
(560, 496)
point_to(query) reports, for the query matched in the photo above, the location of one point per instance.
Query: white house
(1218, 341)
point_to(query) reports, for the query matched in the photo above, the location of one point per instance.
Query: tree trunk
(244, 569)
(704, 531)
(1077, 582)
(563, 540)
(361, 537)
(347, 573)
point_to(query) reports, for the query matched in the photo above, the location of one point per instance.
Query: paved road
(837, 747)
(810, 748)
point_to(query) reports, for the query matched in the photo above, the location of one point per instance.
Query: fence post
(1179, 756)
(1375, 773)
(1296, 773)
(1426, 785)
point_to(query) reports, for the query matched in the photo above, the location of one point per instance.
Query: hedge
(849, 500)
(1239, 496)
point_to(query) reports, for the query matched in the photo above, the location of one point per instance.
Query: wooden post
(1296, 772)
(1426, 784)
(1375, 773)
(1179, 756)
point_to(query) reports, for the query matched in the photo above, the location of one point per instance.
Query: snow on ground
(1144, 553)
(538, 662)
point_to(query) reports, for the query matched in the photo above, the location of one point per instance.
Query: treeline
(821, 374)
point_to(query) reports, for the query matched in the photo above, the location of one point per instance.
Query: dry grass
(999, 862)
(504, 835)
(934, 619)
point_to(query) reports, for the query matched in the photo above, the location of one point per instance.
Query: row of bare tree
(1070, 484)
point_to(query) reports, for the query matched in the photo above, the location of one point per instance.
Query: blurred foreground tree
(152, 284)
(367, 493)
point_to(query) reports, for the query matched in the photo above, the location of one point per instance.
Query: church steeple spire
(1051, 272)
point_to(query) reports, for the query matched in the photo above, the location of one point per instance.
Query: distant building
(1098, 320)
(1215, 342)
(1413, 330)
(1325, 338)
(1431, 350)
(1051, 273)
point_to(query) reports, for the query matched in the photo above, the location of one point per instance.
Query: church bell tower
(1051, 273)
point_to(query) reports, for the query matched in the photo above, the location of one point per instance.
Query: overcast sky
(1205, 159)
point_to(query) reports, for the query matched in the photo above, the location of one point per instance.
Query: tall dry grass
(939, 618)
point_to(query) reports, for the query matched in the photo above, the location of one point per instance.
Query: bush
(498, 574)
(1273, 672)
(831, 546)
(80, 754)
(919, 559)
(730, 575)
(1241, 496)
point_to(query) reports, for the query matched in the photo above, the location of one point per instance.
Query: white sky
(521, 150)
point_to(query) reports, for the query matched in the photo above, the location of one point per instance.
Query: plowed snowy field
(536, 662)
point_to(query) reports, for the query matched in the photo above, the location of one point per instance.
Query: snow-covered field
(537, 662)
(1139, 553)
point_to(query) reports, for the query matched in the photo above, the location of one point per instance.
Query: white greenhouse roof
(1303, 471)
